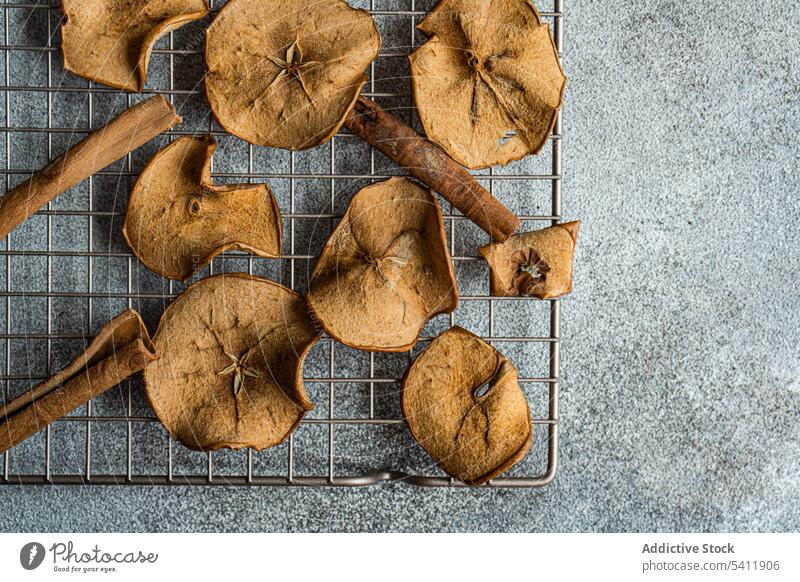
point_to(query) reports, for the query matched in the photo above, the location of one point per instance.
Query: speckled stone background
(680, 361)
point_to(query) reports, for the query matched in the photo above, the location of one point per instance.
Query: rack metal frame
(129, 420)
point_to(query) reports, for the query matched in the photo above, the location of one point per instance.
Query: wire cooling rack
(66, 271)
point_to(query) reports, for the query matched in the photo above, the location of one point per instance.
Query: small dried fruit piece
(537, 263)
(109, 41)
(472, 432)
(231, 372)
(386, 270)
(178, 220)
(488, 83)
(285, 74)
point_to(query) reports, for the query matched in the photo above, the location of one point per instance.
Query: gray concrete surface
(681, 396)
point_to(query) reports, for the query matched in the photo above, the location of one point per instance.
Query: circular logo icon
(31, 555)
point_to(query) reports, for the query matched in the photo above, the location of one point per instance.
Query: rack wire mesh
(66, 271)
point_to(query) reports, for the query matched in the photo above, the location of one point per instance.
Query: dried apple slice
(285, 74)
(109, 41)
(178, 220)
(463, 404)
(231, 372)
(386, 270)
(538, 263)
(488, 83)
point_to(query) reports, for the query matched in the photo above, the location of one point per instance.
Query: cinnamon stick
(430, 164)
(125, 133)
(121, 348)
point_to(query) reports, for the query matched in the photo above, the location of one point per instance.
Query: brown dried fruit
(109, 41)
(537, 263)
(386, 270)
(488, 83)
(231, 371)
(178, 220)
(473, 433)
(285, 74)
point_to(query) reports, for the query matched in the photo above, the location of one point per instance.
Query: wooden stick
(121, 348)
(430, 164)
(127, 132)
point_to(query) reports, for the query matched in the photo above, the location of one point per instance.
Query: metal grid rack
(119, 441)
